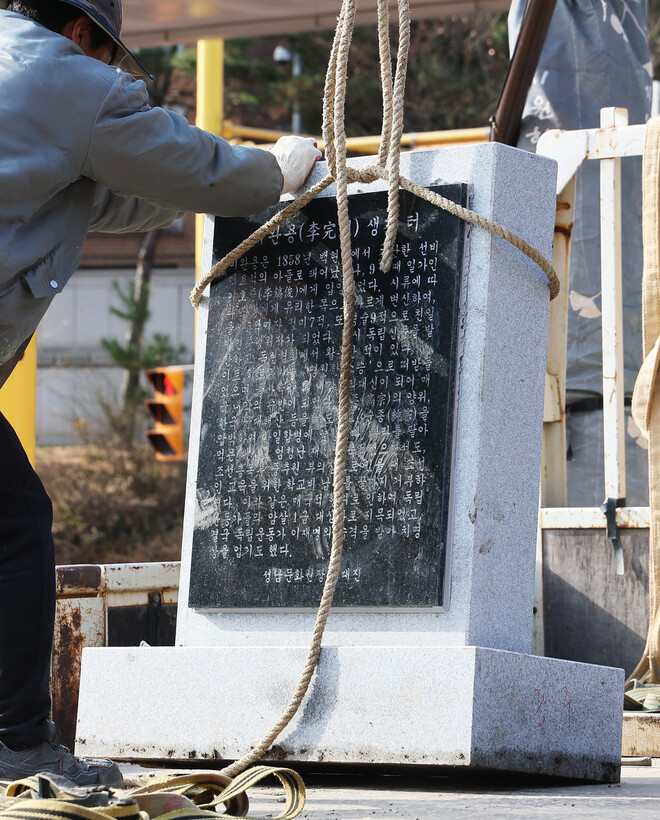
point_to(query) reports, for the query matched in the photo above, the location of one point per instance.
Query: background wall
(74, 373)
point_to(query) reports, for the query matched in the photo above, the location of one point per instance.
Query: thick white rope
(334, 133)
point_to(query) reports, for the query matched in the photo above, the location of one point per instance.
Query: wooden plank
(641, 734)
(553, 467)
(592, 518)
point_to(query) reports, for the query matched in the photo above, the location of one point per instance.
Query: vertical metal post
(612, 318)
(505, 124)
(210, 111)
(18, 399)
(614, 422)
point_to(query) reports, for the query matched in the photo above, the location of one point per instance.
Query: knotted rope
(386, 168)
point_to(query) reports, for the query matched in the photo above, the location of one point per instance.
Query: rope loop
(366, 175)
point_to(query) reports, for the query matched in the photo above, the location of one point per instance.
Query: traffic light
(166, 408)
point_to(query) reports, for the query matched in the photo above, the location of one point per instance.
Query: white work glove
(296, 157)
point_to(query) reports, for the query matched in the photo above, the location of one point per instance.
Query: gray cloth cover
(596, 55)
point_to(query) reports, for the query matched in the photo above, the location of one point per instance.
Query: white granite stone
(445, 706)
(499, 407)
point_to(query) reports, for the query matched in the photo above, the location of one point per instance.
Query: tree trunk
(135, 332)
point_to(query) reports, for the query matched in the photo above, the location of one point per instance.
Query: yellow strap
(199, 792)
(226, 790)
(294, 788)
(52, 809)
(203, 788)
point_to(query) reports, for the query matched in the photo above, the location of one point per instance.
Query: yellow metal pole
(210, 110)
(370, 145)
(18, 399)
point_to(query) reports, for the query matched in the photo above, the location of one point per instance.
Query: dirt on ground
(113, 505)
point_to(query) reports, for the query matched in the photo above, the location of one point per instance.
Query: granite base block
(427, 705)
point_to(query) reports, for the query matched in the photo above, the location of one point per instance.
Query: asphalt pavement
(358, 796)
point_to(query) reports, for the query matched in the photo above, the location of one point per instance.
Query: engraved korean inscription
(263, 512)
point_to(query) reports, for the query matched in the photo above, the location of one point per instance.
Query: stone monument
(426, 653)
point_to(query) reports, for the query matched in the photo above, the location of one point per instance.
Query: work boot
(50, 756)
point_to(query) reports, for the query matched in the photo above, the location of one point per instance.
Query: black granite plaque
(263, 512)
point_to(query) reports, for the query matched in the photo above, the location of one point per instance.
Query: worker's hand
(296, 157)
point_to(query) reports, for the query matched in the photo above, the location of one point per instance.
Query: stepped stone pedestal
(426, 657)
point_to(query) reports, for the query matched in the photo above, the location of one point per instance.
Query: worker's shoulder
(51, 71)
(100, 90)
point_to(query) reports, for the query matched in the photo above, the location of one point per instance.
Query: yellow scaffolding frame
(369, 145)
(210, 111)
(18, 399)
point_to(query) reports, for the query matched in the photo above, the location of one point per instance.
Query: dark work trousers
(27, 596)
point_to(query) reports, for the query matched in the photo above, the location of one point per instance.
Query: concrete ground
(347, 796)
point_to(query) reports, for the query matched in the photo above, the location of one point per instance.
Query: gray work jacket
(81, 150)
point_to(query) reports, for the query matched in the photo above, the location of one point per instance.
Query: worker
(81, 150)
